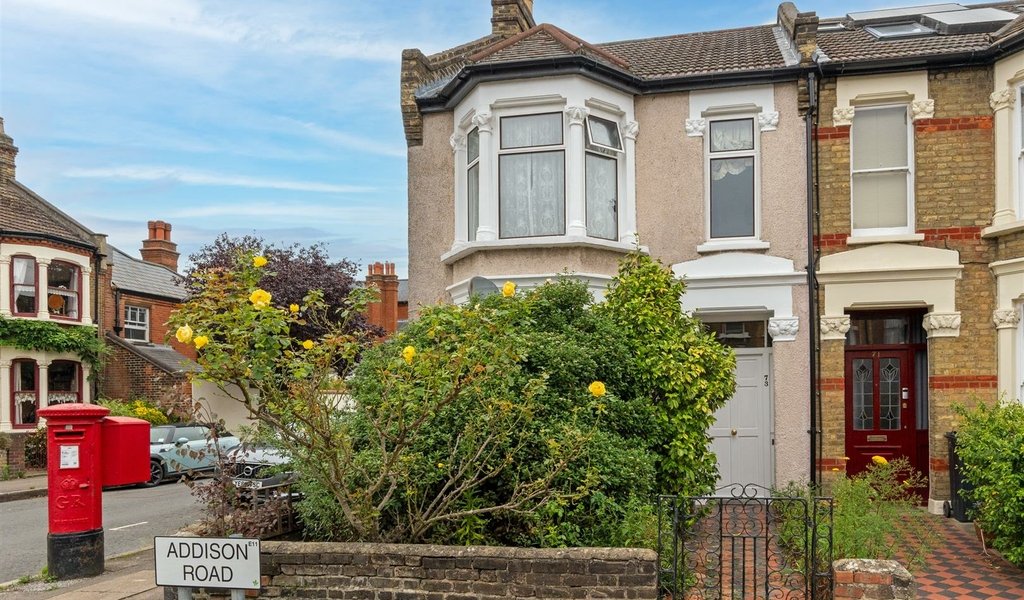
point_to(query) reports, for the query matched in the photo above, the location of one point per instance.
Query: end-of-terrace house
(533, 152)
(50, 268)
(920, 229)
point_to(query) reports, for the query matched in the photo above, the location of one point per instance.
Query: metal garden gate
(744, 542)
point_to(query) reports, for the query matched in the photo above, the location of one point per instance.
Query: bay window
(881, 174)
(25, 398)
(602, 180)
(63, 382)
(732, 151)
(531, 176)
(473, 182)
(62, 290)
(136, 323)
(24, 285)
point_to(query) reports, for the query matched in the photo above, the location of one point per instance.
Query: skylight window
(899, 30)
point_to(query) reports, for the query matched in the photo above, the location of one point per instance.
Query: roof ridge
(146, 262)
(691, 33)
(570, 42)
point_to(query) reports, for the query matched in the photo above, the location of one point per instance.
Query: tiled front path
(956, 567)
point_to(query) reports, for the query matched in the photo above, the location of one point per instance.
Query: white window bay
(881, 171)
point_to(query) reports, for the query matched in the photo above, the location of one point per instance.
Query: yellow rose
(440, 465)
(879, 460)
(260, 298)
(184, 334)
(308, 344)
(200, 341)
(408, 353)
(597, 389)
(508, 290)
(835, 468)
(259, 261)
(294, 308)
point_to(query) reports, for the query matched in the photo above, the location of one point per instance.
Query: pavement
(127, 576)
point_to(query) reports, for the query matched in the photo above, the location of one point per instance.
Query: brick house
(142, 363)
(532, 152)
(919, 235)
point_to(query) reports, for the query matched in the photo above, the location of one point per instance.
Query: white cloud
(192, 177)
(348, 140)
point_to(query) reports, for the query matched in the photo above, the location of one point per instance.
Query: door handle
(734, 432)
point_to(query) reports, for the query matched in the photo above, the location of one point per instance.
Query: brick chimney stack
(7, 153)
(384, 312)
(158, 248)
(509, 17)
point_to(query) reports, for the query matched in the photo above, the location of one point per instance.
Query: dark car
(184, 449)
(258, 467)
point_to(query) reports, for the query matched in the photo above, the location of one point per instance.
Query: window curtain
(602, 189)
(21, 271)
(730, 136)
(531, 186)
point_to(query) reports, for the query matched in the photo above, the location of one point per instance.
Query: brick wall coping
(281, 552)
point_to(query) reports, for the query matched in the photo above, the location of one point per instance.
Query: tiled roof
(857, 45)
(24, 211)
(134, 275)
(162, 356)
(544, 41)
(745, 49)
(1010, 29)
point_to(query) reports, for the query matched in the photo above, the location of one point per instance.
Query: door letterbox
(125, 451)
(75, 489)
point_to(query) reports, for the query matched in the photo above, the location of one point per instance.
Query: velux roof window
(899, 30)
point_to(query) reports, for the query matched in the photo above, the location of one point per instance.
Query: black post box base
(70, 555)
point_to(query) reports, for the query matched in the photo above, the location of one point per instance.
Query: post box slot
(66, 435)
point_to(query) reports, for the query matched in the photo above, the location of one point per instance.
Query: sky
(278, 118)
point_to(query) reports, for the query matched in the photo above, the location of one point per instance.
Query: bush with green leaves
(534, 418)
(990, 441)
(139, 409)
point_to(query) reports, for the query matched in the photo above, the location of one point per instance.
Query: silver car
(184, 449)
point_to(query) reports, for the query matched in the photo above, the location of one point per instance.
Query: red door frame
(861, 445)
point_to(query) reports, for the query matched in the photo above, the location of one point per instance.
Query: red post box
(125, 451)
(74, 545)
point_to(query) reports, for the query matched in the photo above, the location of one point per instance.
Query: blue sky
(278, 118)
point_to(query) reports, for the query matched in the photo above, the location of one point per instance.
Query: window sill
(722, 246)
(1003, 229)
(461, 250)
(855, 240)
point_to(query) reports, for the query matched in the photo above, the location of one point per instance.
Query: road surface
(131, 517)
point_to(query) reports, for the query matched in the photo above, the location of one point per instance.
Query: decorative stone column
(1006, 321)
(488, 229)
(835, 328)
(783, 329)
(627, 205)
(43, 285)
(5, 285)
(5, 384)
(576, 172)
(85, 297)
(1002, 103)
(43, 385)
(458, 142)
(86, 388)
(942, 324)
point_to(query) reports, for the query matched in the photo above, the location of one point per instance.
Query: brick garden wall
(954, 200)
(336, 570)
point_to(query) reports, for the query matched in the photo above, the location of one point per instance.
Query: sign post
(194, 562)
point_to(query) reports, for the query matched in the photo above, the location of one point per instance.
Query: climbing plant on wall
(47, 336)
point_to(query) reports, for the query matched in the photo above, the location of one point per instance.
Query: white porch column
(43, 385)
(627, 205)
(5, 398)
(86, 387)
(5, 285)
(488, 228)
(1006, 321)
(43, 284)
(86, 297)
(1002, 102)
(576, 172)
(458, 142)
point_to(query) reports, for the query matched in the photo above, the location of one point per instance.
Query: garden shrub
(140, 409)
(990, 442)
(35, 449)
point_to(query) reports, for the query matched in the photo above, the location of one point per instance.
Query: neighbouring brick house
(143, 363)
(532, 152)
(391, 310)
(920, 273)
(54, 269)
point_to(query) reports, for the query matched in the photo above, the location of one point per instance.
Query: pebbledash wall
(349, 570)
(942, 267)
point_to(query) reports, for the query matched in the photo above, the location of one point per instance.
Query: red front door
(880, 407)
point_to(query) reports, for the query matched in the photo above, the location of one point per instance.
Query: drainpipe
(812, 288)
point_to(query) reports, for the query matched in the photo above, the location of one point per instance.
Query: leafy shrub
(991, 444)
(140, 409)
(35, 449)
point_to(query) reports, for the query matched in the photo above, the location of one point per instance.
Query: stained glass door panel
(880, 406)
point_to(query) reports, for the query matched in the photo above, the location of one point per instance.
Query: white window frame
(1018, 145)
(471, 232)
(499, 152)
(1018, 342)
(590, 143)
(708, 157)
(911, 177)
(134, 324)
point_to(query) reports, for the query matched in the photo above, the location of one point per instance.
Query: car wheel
(156, 473)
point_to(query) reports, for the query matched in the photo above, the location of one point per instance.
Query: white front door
(741, 435)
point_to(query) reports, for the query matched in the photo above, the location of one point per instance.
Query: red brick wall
(159, 313)
(127, 376)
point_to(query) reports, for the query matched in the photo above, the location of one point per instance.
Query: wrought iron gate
(744, 542)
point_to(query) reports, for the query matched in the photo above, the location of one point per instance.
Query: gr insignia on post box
(230, 563)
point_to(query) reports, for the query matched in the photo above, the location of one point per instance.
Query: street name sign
(230, 563)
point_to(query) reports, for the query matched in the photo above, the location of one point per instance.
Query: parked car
(184, 449)
(261, 473)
